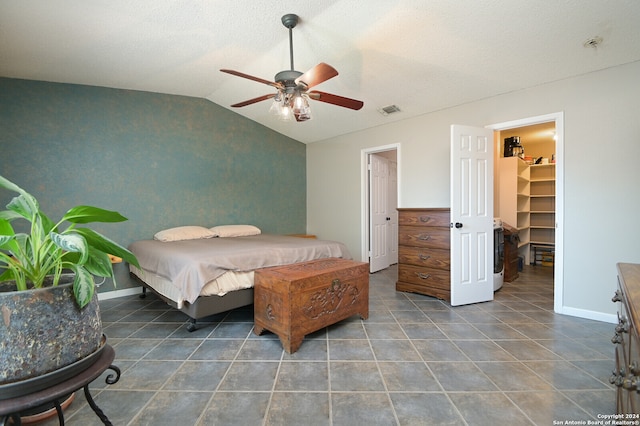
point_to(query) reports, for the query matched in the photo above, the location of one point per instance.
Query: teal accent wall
(160, 160)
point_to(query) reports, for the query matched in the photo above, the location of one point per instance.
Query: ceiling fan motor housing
(287, 78)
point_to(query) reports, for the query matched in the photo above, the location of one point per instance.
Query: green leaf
(8, 242)
(7, 236)
(6, 228)
(99, 264)
(7, 184)
(23, 241)
(9, 215)
(47, 224)
(71, 242)
(104, 244)
(87, 214)
(7, 275)
(25, 205)
(83, 286)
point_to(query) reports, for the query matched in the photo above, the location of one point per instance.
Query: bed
(202, 276)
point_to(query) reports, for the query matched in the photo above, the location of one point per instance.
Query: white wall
(602, 173)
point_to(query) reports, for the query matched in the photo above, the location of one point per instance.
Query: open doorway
(379, 206)
(536, 205)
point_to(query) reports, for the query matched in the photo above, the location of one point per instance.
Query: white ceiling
(421, 55)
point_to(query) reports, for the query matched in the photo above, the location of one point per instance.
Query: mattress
(185, 270)
(229, 281)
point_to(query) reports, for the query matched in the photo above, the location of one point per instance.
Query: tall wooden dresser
(626, 375)
(424, 252)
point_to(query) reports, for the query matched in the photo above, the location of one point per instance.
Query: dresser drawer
(427, 277)
(431, 258)
(429, 237)
(424, 218)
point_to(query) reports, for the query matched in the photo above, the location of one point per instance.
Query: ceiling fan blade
(316, 75)
(336, 100)
(250, 77)
(254, 100)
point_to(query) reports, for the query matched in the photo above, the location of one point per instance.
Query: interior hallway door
(383, 221)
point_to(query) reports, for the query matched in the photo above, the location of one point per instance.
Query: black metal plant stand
(11, 408)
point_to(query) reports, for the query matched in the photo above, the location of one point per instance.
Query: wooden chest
(423, 252)
(295, 300)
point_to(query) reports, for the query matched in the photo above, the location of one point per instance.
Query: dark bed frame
(204, 306)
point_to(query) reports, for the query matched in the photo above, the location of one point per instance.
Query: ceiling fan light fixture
(287, 105)
(301, 108)
(298, 102)
(285, 113)
(281, 108)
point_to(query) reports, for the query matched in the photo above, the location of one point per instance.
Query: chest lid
(312, 268)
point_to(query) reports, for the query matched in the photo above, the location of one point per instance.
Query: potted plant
(50, 319)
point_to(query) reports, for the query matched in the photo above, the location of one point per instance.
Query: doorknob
(458, 225)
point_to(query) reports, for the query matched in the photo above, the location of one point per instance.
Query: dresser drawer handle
(630, 383)
(617, 297)
(617, 338)
(622, 326)
(425, 218)
(617, 377)
(424, 237)
(424, 256)
(423, 276)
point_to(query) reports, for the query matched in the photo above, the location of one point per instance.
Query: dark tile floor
(415, 361)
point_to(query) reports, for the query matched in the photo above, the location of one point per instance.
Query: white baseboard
(119, 293)
(592, 315)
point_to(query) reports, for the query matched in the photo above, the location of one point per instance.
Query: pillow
(235, 230)
(183, 233)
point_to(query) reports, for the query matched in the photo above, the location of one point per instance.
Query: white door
(393, 212)
(378, 206)
(471, 215)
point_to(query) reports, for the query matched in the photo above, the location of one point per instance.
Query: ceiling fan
(292, 87)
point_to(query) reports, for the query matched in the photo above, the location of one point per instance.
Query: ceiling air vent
(390, 109)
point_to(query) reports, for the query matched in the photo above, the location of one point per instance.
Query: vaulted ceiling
(421, 55)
